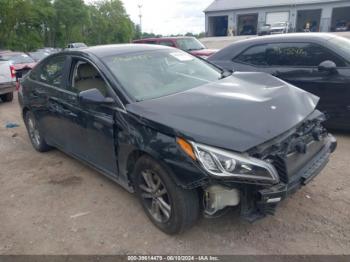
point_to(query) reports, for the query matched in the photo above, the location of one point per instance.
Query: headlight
(204, 56)
(223, 163)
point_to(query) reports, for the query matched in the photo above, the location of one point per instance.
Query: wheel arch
(136, 154)
(25, 110)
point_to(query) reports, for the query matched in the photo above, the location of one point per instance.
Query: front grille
(281, 168)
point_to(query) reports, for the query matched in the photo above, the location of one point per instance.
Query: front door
(98, 120)
(298, 64)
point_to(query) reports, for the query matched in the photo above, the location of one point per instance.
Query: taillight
(13, 71)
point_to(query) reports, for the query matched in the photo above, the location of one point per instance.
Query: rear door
(44, 92)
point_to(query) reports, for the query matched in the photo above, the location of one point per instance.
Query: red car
(20, 63)
(188, 44)
(18, 60)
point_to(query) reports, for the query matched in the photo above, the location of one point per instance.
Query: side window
(85, 77)
(151, 42)
(167, 43)
(255, 55)
(51, 72)
(299, 54)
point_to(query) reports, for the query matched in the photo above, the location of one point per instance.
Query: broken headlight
(223, 163)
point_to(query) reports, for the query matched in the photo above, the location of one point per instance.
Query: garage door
(275, 17)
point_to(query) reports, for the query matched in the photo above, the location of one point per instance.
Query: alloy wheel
(155, 196)
(33, 131)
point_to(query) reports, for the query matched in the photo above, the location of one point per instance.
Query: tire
(181, 208)
(34, 133)
(7, 97)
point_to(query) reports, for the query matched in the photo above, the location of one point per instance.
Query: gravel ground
(53, 204)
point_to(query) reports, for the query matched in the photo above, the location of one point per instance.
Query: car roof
(289, 37)
(118, 49)
(164, 38)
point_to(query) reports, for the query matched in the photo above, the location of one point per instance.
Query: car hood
(235, 113)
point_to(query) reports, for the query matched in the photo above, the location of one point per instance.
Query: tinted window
(299, 54)
(255, 55)
(166, 43)
(342, 44)
(51, 72)
(189, 44)
(150, 42)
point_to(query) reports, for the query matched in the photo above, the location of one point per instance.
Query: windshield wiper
(225, 73)
(194, 49)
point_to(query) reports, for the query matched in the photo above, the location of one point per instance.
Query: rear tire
(7, 97)
(170, 208)
(34, 133)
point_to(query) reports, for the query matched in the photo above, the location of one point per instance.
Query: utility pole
(140, 16)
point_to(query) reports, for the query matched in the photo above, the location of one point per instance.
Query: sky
(168, 17)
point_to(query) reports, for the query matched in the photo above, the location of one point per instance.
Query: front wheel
(171, 208)
(35, 136)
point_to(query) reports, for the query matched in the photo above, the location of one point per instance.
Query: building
(224, 17)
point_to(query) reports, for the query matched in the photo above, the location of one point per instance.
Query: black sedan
(318, 63)
(183, 135)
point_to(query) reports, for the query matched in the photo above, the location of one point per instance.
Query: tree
(29, 24)
(71, 16)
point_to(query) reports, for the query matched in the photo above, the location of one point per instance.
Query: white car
(280, 28)
(7, 81)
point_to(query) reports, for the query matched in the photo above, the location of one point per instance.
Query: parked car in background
(50, 50)
(38, 55)
(280, 28)
(318, 63)
(342, 26)
(19, 60)
(184, 135)
(264, 30)
(7, 81)
(188, 44)
(248, 30)
(76, 45)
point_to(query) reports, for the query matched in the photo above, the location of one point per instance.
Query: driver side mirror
(94, 96)
(328, 66)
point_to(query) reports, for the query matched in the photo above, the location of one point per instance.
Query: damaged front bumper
(257, 201)
(263, 201)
